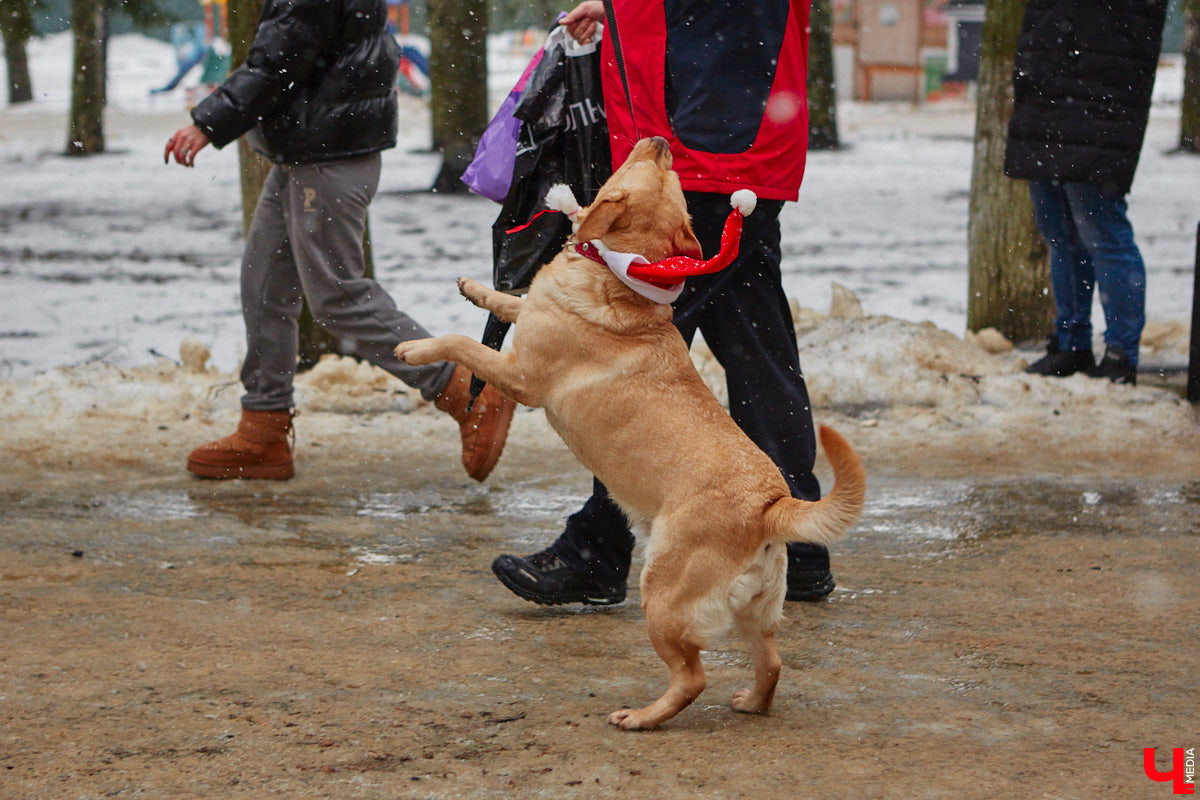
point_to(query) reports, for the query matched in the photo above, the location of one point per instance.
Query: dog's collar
(658, 291)
(589, 250)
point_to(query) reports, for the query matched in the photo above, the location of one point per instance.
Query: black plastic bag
(563, 139)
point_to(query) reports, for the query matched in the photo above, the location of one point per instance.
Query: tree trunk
(315, 340)
(1189, 118)
(1009, 274)
(16, 26)
(822, 97)
(102, 34)
(243, 20)
(20, 87)
(86, 126)
(458, 78)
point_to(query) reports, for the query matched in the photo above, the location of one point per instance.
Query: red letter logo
(1176, 775)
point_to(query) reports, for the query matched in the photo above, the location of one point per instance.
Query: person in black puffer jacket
(317, 95)
(317, 85)
(1082, 85)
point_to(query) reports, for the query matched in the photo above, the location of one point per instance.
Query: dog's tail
(824, 520)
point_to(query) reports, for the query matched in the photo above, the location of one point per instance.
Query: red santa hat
(675, 268)
(671, 271)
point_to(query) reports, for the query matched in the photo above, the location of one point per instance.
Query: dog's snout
(655, 149)
(662, 152)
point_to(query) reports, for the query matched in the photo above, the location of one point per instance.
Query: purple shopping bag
(490, 172)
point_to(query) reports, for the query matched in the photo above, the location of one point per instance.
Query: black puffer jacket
(1082, 83)
(319, 83)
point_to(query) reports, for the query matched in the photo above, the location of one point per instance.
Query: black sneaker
(1115, 366)
(543, 578)
(808, 584)
(1061, 363)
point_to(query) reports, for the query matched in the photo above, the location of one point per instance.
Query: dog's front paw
(629, 719)
(417, 352)
(472, 289)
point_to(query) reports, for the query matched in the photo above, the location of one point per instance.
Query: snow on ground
(109, 264)
(136, 65)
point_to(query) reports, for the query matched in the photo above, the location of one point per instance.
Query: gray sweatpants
(306, 241)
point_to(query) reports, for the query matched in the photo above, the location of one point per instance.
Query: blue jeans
(1091, 244)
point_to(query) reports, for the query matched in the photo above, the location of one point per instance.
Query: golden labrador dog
(617, 383)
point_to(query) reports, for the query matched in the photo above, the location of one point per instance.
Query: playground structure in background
(206, 45)
(414, 62)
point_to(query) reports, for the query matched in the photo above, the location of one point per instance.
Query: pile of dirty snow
(909, 396)
(918, 392)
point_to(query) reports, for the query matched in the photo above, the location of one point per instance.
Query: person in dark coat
(1082, 85)
(317, 95)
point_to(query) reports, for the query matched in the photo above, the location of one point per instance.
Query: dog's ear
(686, 243)
(598, 218)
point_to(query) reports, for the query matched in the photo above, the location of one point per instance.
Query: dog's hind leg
(506, 307)
(766, 671)
(682, 656)
(756, 621)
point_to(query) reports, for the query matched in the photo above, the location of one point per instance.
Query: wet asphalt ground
(341, 635)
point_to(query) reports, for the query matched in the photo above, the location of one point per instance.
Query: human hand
(583, 21)
(184, 145)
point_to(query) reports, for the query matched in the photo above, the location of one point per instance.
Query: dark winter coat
(319, 83)
(1082, 83)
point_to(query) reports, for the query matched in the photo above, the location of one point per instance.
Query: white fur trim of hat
(744, 201)
(561, 198)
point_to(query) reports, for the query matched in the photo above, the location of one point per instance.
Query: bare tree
(1008, 262)
(1189, 119)
(16, 28)
(458, 77)
(822, 97)
(243, 20)
(86, 123)
(89, 84)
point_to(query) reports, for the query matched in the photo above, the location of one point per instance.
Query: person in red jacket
(724, 83)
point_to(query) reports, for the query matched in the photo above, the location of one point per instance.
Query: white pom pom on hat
(744, 201)
(561, 198)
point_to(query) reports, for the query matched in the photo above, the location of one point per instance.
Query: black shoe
(808, 584)
(1061, 363)
(543, 578)
(1115, 366)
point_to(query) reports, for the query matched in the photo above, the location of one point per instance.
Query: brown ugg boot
(484, 427)
(259, 448)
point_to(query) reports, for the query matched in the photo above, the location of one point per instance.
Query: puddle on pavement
(902, 517)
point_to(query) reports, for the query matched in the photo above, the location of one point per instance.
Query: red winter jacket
(723, 81)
